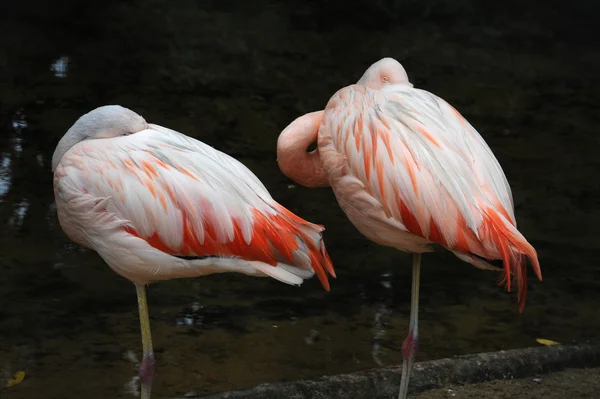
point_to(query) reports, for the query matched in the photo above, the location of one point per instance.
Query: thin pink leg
(411, 343)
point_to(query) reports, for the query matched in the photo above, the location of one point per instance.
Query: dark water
(234, 74)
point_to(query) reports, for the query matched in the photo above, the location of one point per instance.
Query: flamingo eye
(385, 79)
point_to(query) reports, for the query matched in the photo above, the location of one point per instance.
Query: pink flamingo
(409, 170)
(157, 205)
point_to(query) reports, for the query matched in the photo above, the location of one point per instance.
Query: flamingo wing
(189, 200)
(430, 170)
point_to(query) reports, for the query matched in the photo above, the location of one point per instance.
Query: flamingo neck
(294, 160)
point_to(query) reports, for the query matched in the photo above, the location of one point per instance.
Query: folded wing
(431, 171)
(187, 199)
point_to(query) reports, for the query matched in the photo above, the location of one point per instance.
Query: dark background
(233, 74)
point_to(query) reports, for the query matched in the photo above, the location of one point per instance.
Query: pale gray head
(102, 123)
(386, 71)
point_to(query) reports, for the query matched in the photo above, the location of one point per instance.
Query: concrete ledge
(383, 383)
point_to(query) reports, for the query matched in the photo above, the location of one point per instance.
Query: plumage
(425, 167)
(408, 170)
(182, 197)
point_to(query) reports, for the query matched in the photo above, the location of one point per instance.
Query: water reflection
(192, 318)
(381, 318)
(18, 124)
(312, 337)
(60, 67)
(132, 387)
(40, 160)
(19, 213)
(4, 174)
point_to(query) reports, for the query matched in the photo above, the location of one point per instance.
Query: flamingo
(157, 205)
(409, 170)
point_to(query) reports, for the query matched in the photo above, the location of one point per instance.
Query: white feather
(148, 181)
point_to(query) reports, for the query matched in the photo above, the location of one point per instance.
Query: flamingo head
(386, 71)
(101, 123)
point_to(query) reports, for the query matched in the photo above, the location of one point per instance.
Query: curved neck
(64, 145)
(294, 160)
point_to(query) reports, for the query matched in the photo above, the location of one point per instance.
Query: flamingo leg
(410, 344)
(146, 371)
